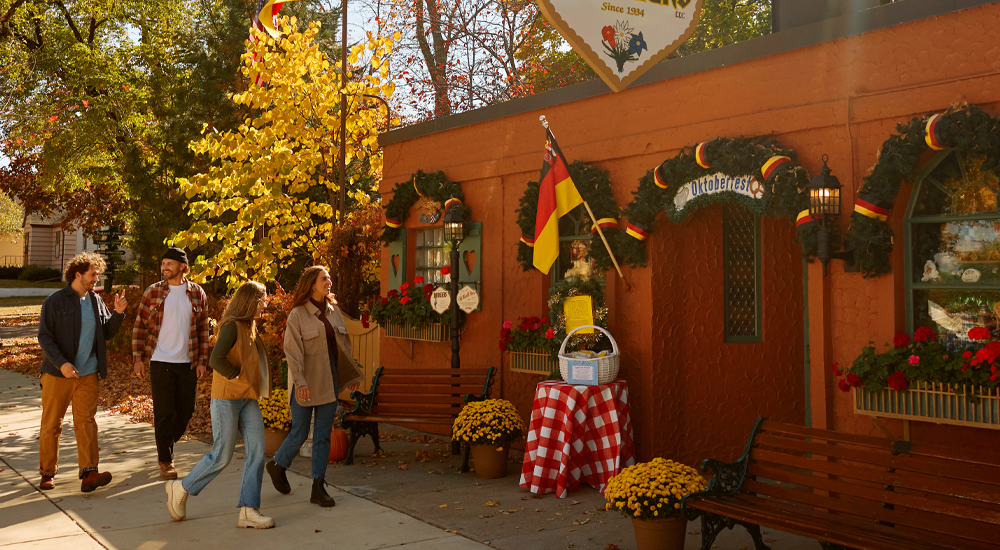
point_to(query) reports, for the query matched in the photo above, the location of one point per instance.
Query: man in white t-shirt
(171, 335)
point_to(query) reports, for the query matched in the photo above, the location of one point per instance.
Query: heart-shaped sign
(623, 39)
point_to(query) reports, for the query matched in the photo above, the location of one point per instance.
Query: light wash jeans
(229, 417)
(301, 416)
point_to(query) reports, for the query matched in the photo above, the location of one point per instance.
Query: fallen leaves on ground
(491, 503)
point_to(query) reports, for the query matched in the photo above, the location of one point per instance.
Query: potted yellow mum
(277, 419)
(650, 493)
(489, 427)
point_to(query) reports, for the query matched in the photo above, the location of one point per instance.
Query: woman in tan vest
(320, 361)
(241, 378)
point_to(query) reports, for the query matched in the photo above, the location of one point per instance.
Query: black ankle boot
(278, 478)
(319, 495)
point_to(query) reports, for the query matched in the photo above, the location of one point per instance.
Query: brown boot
(94, 479)
(167, 470)
(48, 483)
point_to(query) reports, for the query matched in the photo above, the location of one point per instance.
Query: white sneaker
(250, 517)
(176, 499)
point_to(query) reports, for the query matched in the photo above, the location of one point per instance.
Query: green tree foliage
(725, 22)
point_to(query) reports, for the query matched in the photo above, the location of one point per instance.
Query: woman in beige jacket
(320, 361)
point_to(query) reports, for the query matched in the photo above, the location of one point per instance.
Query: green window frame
(431, 254)
(952, 183)
(741, 273)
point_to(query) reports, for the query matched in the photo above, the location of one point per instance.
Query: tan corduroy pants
(57, 394)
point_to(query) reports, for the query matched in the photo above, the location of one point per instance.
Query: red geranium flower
(418, 280)
(504, 332)
(854, 380)
(901, 340)
(403, 287)
(924, 334)
(836, 370)
(428, 288)
(967, 354)
(503, 345)
(550, 334)
(392, 293)
(385, 301)
(844, 386)
(446, 270)
(898, 381)
(405, 300)
(364, 320)
(608, 33)
(979, 333)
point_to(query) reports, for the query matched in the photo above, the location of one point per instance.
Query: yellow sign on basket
(579, 311)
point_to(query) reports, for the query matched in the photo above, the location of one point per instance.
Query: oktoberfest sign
(747, 186)
(623, 39)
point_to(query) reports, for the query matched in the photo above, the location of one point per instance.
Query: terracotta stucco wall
(693, 396)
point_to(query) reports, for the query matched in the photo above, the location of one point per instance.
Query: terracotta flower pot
(489, 462)
(273, 440)
(660, 534)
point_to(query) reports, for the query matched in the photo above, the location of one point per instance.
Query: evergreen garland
(965, 128)
(594, 186)
(436, 186)
(784, 192)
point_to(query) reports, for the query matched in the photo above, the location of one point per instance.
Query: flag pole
(593, 218)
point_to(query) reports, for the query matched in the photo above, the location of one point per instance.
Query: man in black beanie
(171, 335)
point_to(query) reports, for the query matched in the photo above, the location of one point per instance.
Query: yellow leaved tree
(267, 192)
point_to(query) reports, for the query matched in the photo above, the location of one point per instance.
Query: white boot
(176, 499)
(250, 517)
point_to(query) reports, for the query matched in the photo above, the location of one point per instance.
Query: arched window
(952, 255)
(575, 240)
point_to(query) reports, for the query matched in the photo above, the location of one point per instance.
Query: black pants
(174, 389)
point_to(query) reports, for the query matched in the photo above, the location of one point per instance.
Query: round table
(577, 432)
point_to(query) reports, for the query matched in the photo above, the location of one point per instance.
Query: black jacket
(59, 330)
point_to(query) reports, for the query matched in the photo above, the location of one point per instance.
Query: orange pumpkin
(338, 445)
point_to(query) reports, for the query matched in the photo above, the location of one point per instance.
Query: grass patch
(21, 305)
(17, 283)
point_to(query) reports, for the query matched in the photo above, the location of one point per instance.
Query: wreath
(406, 194)
(594, 186)
(965, 128)
(782, 191)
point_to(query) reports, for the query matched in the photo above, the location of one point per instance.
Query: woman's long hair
(304, 289)
(243, 306)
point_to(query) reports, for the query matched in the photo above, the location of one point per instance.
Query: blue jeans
(230, 416)
(325, 415)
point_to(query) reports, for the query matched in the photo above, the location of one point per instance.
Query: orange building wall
(693, 396)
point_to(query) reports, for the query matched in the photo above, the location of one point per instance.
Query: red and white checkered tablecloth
(577, 432)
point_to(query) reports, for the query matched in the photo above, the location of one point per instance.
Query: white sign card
(440, 299)
(581, 372)
(468, 299)
(622, 39)
(716, 183)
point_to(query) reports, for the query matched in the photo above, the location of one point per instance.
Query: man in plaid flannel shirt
(171, 335)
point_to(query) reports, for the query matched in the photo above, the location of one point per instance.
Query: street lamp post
(454, 233)
(824, 205)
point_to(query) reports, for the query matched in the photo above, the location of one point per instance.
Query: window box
(532, 361)
(434, 332)
(933, 402)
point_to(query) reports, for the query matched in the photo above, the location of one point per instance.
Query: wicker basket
(607, 366)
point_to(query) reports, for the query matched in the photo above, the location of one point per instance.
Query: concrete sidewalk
(131, 511)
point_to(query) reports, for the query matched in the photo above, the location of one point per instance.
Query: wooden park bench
(415, 396)
(851, 491)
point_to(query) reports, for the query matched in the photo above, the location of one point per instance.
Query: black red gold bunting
(700, 156)
(417, 189)
(605, 223)
(636, 232)
(658, 178)
(804, 221)
(451, 201)
(406, 193)
(931, 136)
(393, 223)
(530, 241)
(866, 206)
(770, 167)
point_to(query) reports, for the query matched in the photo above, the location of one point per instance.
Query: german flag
(557, 195)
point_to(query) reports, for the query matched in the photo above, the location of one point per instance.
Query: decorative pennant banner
(452, 201)
(623, 39)
(872, 209)
(660, 182)
(636, 232)
(605, 223)
(771, 166)
(930, 133)
(528, 241)
(700, 157)
(804, 221)
(393, 223)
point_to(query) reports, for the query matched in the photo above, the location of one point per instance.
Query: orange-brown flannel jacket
(149, 318)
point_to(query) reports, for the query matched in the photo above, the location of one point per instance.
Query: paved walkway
(12, 292)
(131, 511)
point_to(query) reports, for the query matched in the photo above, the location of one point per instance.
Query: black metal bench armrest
(364, 402)
(727, 477)
(469, 398)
